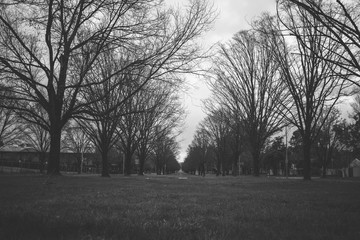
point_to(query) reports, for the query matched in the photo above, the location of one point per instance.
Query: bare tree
(165, 148)
(217, 130)
(161, 107)
(236, 138)
(10, 127)
(328, 140)
(36, 137)
(247, 83)
(10, 123)
(339, 21)
(44, 43)
(76, 140)
(314, 85)
(107, 100)
(201, 145)
(128, 128)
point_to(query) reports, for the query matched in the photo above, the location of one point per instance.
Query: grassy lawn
(164, 207)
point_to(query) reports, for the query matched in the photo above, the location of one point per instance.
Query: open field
(151, 207)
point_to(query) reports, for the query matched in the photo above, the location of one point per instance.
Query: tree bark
(307, 159)
(78, 161)
(256, 162)
(54, 155)
(42, 158)
(218, 165)
(127, 164)
(105, 164)
(141, 165)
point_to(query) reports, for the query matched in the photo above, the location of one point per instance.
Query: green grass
(150, 207)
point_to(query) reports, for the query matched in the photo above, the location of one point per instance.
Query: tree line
(290, 69)
(99, 73)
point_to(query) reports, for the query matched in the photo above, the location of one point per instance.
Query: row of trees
(289, 69)
(109, 66)
(336, 145)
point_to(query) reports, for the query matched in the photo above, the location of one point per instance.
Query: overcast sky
(233, 16)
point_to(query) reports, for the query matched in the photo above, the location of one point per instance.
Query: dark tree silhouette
(247, 82)
(313, 83)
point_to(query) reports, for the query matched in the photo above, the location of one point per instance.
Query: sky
(233, 16)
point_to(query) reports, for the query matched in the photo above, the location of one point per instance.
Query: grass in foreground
(150, 207)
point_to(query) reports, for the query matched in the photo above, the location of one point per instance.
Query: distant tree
(217, 130)
(128, 128)
(10, 127)
(76, 140)
(161, 107)
(172, 165)
(165, 148)
(200, 147)
(328, 140)
(105, 101)
(348, 132)
(274, 155)
(37, 138)
(236, 138)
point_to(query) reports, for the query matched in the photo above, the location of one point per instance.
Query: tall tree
(107, 101)
(247, 81)
(37, 137)
(201, 143)
(217, 130)
(161, 107)
(328, 140)
(313, 83)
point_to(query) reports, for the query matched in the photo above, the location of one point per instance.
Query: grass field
(166, 207)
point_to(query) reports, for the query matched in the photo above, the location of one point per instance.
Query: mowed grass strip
(151, 207)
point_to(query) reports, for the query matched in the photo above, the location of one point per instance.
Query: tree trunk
(78, 160)
(105, 164)
(127, 164)
(141, 165)
(256, 162)
(54, 155)
(218, 166)
(307, 159)
(324, 171)
(42, 158)
(235, 167)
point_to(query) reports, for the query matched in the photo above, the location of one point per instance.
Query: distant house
(18, 153)
(355, 168)
(25, 156)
